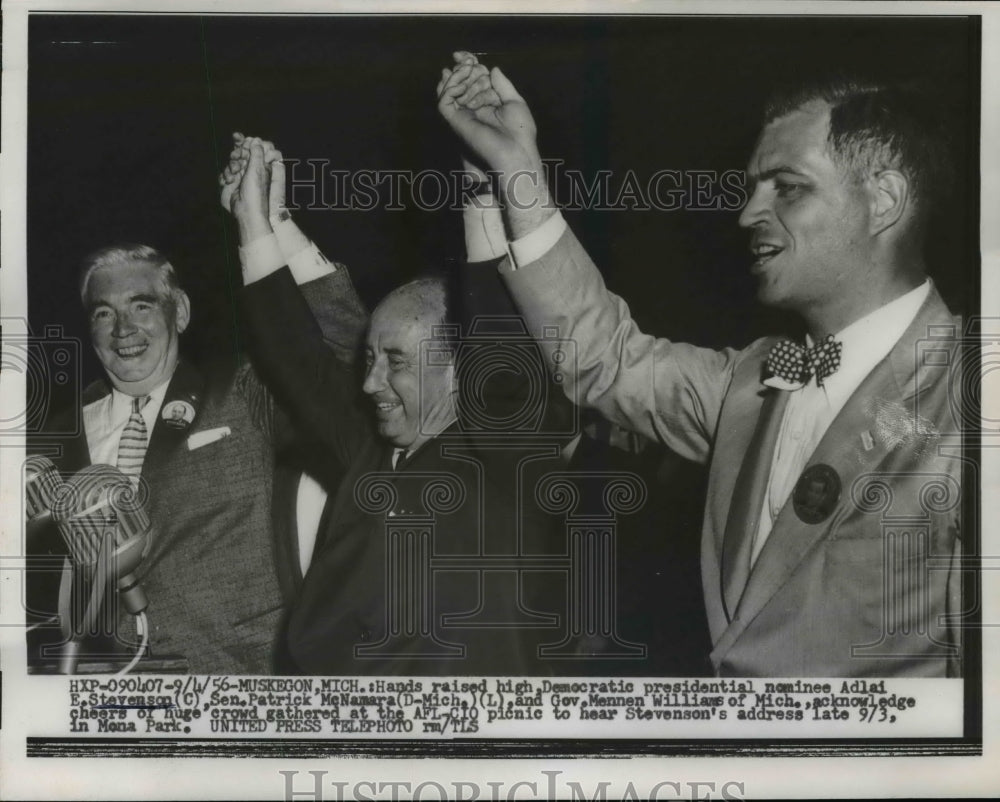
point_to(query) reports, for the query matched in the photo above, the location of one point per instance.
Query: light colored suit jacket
(871, 590)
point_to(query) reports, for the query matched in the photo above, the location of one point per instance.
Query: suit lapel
(385, 463)
(852, 447)
(187, 385)
(843, 449)
(748, 499)
(73, 453)
(427, 452)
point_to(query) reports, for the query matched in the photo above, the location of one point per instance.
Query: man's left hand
(230, 177)
(250, 199)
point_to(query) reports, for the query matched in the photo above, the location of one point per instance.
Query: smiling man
(370, 602)
(411, 405)
(201, 440)
(136, 311)
(802, 575)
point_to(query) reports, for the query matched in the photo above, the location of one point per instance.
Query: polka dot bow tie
(795, 365)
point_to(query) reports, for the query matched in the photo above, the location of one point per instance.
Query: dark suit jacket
(343, 603)
(874, 588)
(214, 571)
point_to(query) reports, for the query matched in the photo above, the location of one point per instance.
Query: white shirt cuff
(532, 247)
(261, 258)
(485, 238)
(286, 246)
(305, 260)
(290, 236)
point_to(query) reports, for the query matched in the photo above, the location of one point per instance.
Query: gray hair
(429, 293)
(121, 254)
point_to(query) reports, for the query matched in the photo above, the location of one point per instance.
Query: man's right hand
(495, 123)
(488, 114)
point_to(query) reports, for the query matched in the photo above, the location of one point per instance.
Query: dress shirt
(104, 421)
(310, 499)
(485, 237)
(811, 409)
(536, 244)
(286, 246)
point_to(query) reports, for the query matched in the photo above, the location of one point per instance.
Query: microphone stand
(100, 581)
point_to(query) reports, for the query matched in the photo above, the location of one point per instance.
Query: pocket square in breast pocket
(203, 438)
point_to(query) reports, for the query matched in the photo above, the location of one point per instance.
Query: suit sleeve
(954, 609)
(669, 392)
(304, 374)
(338, 310)
(492, 324)
(342, 317)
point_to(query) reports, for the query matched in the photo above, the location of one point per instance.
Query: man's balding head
(409, 363)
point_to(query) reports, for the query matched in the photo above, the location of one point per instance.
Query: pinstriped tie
(133, 442)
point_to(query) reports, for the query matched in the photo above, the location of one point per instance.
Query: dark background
(130, 118)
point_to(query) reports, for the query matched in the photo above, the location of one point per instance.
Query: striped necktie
(133, 442)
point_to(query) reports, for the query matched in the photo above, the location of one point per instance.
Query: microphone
(99, 507)
(42, 485)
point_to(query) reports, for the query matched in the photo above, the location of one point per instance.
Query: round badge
(816, 494)
(177, 414)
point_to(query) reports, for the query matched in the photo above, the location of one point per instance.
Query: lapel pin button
(177, 414)
(816, 494)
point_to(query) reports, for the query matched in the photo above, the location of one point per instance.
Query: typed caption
(448, 708)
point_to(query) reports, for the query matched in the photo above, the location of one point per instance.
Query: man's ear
(182, 310)
(890, 198)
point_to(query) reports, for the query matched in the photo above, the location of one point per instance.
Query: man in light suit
(214, 573)
(813, 452)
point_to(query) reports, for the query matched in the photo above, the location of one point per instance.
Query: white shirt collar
(868, 340)
(121, 404)
(105, 419)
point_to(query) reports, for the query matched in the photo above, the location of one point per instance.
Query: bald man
(355, 613)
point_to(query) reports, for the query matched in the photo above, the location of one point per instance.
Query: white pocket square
(203, 438)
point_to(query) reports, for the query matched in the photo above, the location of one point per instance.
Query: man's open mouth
(131, 351)
(764, 252)
(386, 407)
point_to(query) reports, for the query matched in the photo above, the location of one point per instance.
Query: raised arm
(325, 285)
(307, 378)
(495, 123)
(669, 392)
